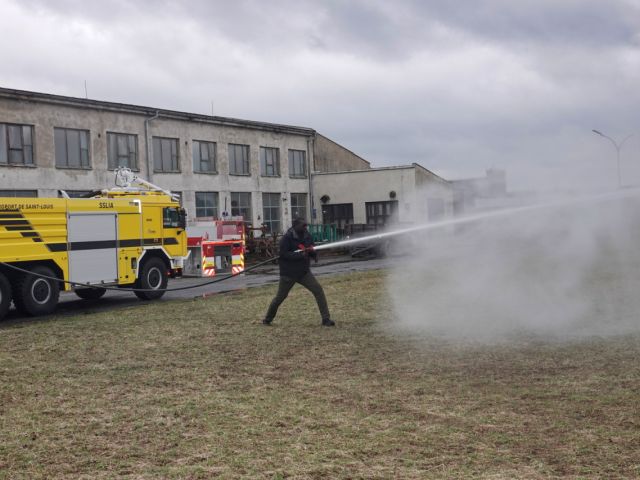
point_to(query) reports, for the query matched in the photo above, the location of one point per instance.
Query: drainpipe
(148, 146)
(310, 146)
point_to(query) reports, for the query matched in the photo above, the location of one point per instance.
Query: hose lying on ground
(128, 289)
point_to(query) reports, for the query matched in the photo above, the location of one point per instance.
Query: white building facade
(220, 166)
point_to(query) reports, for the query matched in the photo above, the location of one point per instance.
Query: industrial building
(380, 196)
(268, 173)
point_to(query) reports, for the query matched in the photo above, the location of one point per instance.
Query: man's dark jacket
(295, 265)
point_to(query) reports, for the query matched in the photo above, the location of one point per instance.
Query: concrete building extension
(380, 196)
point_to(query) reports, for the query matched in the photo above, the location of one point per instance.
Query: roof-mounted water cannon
(125, 178)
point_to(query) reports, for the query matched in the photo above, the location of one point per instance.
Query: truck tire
(35, 295)
(90, 293)
(153, 275)
(5, 295)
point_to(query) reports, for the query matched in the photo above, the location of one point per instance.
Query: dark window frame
(269, 219)
(77, 193)
(377, 211)
(339, 214)
(233, 162)
(174, 141)
(18, 193)
(241, 207)
(296, 205)
(214, 207)
(26, 148)
(67, 132)
(295, 162)
(269, 164)
(117, 136)
(213, 162)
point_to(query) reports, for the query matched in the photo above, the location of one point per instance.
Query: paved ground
(330, 265)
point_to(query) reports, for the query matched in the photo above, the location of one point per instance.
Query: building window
(16, 144)
(339, 214)
(206, 205)
(204, 157)
(122, 150)
(297, 163)
(177, 194)
(239, 159)
(299, 205)
(79, 193)
(72, 148)
(165, 155)
(269, 162)
(19, 193)
(380, 213)
(241, 205)
(271, 211)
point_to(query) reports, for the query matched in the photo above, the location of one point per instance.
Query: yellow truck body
(107, 240)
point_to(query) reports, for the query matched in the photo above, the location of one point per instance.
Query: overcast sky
(457, 86)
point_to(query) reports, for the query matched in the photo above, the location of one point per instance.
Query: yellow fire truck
(124, 237)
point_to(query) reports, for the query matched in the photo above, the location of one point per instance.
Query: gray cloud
(577, 22)
(456, 86)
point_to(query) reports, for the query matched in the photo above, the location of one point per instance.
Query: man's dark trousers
(309, 282)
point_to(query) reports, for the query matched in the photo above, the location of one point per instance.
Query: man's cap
(299, 221)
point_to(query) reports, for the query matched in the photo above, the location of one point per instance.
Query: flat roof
(380, 169)
(28, 96)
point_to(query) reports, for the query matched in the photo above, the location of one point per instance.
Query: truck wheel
(90, 293)
(5, 295)
(35, 295)
(153, 276)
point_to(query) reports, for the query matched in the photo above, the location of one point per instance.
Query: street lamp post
(617, 146)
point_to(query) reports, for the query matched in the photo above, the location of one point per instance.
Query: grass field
(198, 389)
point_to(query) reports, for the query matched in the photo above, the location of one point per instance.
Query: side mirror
(182, 221)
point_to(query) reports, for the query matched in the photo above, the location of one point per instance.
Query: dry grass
(199, 389)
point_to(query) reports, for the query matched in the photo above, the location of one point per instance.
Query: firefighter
(296, 250)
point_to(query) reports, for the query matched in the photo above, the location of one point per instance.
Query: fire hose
(129, 289)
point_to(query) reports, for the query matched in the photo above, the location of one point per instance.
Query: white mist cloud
(563, 271)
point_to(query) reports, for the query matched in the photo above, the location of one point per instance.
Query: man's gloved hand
(311, 251)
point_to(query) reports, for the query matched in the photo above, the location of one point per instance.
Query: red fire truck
(216, 247)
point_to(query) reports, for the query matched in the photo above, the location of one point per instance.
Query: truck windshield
(171, 217)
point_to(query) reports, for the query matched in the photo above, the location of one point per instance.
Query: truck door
(174, 226)
(152, 226)
(92, 243)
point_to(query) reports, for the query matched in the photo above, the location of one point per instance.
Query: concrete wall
(413, 190)
(332, 157)
(434, 195)
(47, 178)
